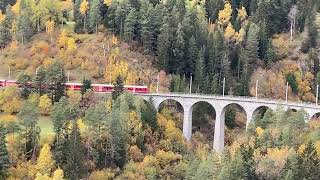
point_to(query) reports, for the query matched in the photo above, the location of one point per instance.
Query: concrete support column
(249, 117)
(218, 142)
(187, 122)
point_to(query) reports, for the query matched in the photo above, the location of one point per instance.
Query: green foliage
(4, 155)
(24, 85)
(292, 82)
(75, 166)
(149, 114)
(5, 26)
(94, 16)
(29, 132)
(55, 81)
(118, 88)
(86, 86)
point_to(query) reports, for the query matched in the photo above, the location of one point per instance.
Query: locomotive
(101, 88)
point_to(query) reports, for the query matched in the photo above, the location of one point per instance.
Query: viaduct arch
(220, 103)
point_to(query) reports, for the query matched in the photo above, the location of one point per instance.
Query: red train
(107, 88)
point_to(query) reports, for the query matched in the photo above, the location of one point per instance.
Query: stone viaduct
(250, 105)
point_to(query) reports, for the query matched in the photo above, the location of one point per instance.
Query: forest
(50, 133)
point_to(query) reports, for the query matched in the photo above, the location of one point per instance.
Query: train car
(11, 83)
(74, 86)
(2, 83)
(136, 89)
(102, 87)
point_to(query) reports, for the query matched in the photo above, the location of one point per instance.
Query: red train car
(2, 83)
(106, 88)
(74, 86)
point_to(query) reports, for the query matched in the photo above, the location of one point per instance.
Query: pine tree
(248, 57)
(176, 63)
(310, 163)
(94, 16)
(75, 167)
(130, 25)
(199, 70)
(24, 85)
(5, 26)
(4, 155)
(118, 88)
(39, 81)
(29, 130)
(55, 81)
(24, 24)
(147, 27)
(192, 55)
(78, 17)
(263, 40)
(164, 45)
(86, 85)
(291, 79)
(270, 54)
(149, 114)
(120, 116)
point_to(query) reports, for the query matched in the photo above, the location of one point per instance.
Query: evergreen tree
(24, 83)
(199, 70)
(177, 62)
(55, 81)
(130, 25)
(248, 57)
(75, 167)
(4, 155)
(24, 24)
(192, 55)
(270, 54)
(118, 88)
(149, 115)
(29, 130)
(310, 163)
(86, 85)
(94, 16)
(5, 26)
(146, 24)
(39, 81)
(291, 79)
(263, 40)
(118, 131)
(77, 17)
(164, 45)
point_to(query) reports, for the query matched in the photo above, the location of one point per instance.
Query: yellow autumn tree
(242, 14)
(83, 10)
(40, 176)
(50, 27)
(9, 101)
(2, 16)
(71, 45)
(107, 2)
(16, 7)
(45, 104)
(225, 14)
(134, 127)
(229, 32)
(117, 67)
(58, 174)
(84, 7)
(45, 162)
(63, 39)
